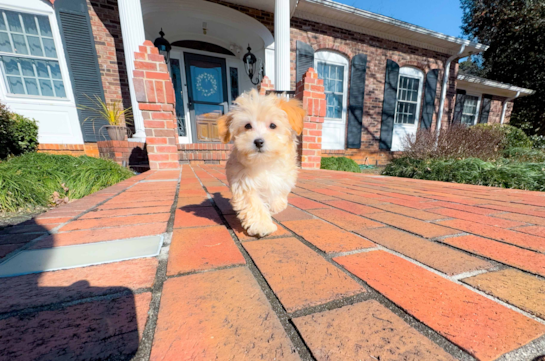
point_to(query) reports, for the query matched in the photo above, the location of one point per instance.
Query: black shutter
(429, 99)
(355, 101)
(487, 102)
(459, 107)
(304, 59)
(389, 104)
(81, 56)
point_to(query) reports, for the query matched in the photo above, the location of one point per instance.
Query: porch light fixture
(252, 67)
(163, 45)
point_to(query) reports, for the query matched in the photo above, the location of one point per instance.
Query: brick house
(381, 78)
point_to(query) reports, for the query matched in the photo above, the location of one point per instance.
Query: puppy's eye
(272, 126)
(248, 126)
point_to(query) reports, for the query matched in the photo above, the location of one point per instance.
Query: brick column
(155, 95)
(310, 90)
(266, 84)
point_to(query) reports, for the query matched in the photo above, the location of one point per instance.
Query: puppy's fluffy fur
(261, 178)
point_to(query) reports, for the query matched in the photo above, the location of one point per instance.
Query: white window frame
(60, 59)
(330, 57)
(414, 73)
(58, 121)
(478, 109)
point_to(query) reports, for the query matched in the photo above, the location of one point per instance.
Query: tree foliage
(515, 31)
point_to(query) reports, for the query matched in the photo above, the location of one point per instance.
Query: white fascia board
(468, 82)
(393, 29)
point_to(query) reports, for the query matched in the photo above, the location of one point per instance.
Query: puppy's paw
(261, 229)
(278, 205)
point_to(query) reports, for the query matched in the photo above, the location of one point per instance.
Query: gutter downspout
(444, 87)
(504, 108)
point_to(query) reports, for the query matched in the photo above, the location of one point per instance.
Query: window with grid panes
(28, 56)
(469, 112)
(333, 77)
(407, 100)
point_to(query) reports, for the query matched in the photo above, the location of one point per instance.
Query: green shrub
(501, 173)
(538, 141)
(530, 155)
(18, 135)
(340, 163)
(32, 179)
(514, 137)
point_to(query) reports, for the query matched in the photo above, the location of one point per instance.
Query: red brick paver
(327, 237)
(442, 258)
(194, 249)
(432, 249)
(299, 277)
(218, 315)
(365, 331)
(464, 317)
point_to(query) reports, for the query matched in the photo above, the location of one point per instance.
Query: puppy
(262, 168)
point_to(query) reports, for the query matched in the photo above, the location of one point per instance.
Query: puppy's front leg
(253, 214)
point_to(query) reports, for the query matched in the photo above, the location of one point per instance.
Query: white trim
(382, 26)
(334, 58)
(400, 130)
(478, 81)
(413, 73)
(282, 29)
(132, 29)
(58, 121)
(477, 110)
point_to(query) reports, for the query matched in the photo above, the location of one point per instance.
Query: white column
(282, 44)
(269, 62)
(132, 29)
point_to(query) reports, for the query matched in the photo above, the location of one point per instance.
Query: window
(469, 112)
(409, 91)
(333, 76)
(28, 56)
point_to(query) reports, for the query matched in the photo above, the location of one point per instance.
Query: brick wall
(106, 28)
(123, 152)
(310, 90)
(348, 43)
(88, 149)
(155, 95)
(204, 153)
(495, 110)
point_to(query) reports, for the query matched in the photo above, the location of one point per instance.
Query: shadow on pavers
(39, 321)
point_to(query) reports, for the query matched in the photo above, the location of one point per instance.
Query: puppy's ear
(224, 123)
(295, 113)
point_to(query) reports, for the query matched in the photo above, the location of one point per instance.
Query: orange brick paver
(515, 287)
(218, 315)
(194, 249)
(424, 229)
(361, 267)
(365, 331)
(442, 258)
(327, 237)
(345, 220)
(504, 235)
(460, 315)
(514, 256)
(299, 277)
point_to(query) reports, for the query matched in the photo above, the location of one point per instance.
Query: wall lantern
(253, 66)
(163, 45)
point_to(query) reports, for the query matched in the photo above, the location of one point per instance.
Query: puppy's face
(262, 127)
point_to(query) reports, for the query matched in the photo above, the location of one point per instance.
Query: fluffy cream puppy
(262, 168)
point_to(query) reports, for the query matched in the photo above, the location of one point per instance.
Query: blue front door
(207, 94)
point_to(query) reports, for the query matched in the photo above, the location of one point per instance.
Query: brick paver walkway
(361, 268)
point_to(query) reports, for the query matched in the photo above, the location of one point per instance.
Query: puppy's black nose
(259, 143)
